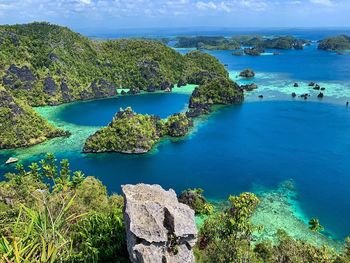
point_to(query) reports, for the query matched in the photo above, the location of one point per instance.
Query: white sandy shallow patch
(281, 86)
(188, 89)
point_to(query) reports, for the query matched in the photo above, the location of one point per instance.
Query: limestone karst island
(174, 131)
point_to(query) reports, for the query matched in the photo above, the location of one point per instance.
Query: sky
(105, 15)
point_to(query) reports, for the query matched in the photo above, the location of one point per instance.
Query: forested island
(238, 43)
(130, 132)
(337, 43)
(207, 42)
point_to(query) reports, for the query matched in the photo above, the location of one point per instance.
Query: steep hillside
(20, 125)
(46, 64)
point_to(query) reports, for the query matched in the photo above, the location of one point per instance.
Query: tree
(315, 225)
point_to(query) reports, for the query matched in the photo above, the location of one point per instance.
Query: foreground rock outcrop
(159, 228)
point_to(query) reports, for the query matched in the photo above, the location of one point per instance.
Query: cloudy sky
(114, 14)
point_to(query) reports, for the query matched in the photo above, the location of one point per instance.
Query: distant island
(337, 43)
(237, 43)
(207, 42)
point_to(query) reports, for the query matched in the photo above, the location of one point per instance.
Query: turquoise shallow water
(235, 149)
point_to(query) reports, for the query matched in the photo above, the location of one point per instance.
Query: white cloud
(203, 6)
(322, 2)
(254, 4)
(86, 2)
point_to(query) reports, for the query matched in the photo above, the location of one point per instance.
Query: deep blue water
(309, 64)
(238, 146)
(100, 113)
(263, 142)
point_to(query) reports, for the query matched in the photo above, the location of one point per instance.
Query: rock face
(249, 87)
(19, 78)
(50, 86)
(178, 125)
(159, 228)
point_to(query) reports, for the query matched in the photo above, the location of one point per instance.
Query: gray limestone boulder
(159, 228)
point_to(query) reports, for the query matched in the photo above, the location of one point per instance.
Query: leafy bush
(49, 214)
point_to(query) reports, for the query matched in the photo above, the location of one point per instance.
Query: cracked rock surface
(159, 228)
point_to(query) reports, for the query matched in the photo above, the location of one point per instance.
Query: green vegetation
(207, 42)
(71, 219)
(20, 125)
(136, 133)
(227, 236)
(283, 42)
(202, 67)
(194, 198)
(50, 214)
(46, 64)
(127, 133)
(339, 43)
(217, 91)
(315, 225)
(178, 125)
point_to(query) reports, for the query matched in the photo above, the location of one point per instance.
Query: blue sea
(260, 142)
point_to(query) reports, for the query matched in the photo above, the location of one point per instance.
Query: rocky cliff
(159, 228)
